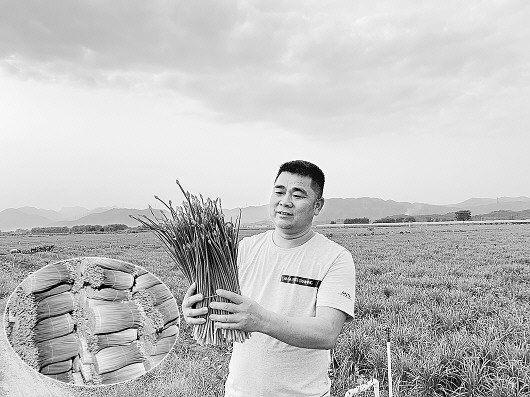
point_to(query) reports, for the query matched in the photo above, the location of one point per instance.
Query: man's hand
(319, 332)
(191, 314)
(247, 315)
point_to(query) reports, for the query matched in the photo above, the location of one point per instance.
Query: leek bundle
(53, 327)
(57, 368)
(52, 291)
(121, 338)
(145, 281)
(140, 271)
(111, 264)
(55, 305)
(98, 276)
(90, 303)
(169, 310)
(160, 293)
(169, 331)
(47, 277)
(117, 279)
(204, 247)
(113, 317)
(130, 371)
(58, 349)
(116, 357)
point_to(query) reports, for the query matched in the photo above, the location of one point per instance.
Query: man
(297, 290)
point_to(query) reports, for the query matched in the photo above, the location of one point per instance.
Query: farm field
(455, 297)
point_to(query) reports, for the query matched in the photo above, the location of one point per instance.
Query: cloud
(346, 68)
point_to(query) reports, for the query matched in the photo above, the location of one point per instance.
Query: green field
(456, 298)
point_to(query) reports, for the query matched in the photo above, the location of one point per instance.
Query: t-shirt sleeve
(242, 253)
(337, 289)
(240, 248)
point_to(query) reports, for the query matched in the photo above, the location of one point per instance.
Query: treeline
(463, 215)
(396, 219)
(112, 228)
(389, 219)
(458, 216)
(356, 221)
(115, 227)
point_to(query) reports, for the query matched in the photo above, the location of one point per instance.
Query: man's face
(293, 203)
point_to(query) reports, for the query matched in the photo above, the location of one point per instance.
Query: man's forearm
(319, 332)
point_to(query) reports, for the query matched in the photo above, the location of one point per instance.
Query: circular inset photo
(92, 321)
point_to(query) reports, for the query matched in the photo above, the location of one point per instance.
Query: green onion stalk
(204, 247)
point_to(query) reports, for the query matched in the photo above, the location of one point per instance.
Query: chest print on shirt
(308, 282)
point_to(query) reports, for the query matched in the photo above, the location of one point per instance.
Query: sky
(108, 103)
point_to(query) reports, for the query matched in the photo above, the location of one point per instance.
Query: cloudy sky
(106, 103)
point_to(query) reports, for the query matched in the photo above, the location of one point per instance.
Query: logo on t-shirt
(308, 282)
(346, 295)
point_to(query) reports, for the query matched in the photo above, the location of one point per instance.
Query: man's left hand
(246, 314)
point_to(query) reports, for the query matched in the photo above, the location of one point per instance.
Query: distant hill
(335, 209)
(249, 215)
(373, 209)
(114, 215)
(72, 213)
(501, 206)
(49, 214)
(505, 215)
(12, 219)
(483, 202)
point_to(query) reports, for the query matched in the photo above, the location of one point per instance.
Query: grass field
(456, 298)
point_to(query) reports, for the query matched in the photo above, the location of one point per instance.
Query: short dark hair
(305, 168)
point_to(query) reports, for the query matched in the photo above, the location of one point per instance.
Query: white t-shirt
(293, 282)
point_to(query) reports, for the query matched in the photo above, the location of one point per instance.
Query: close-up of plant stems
(204, 247)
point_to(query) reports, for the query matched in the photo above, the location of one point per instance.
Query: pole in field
(389, 362)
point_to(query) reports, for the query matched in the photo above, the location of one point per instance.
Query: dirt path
(19, 380)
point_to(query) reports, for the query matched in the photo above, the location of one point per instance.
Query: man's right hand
(191, 315)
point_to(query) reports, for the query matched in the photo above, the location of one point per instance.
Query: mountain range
(335, 209)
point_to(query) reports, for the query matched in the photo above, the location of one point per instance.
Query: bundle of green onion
(204, 247)
(120, 338)
(57, 368)
(53, 327)
(116, 357)
(128, 372)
